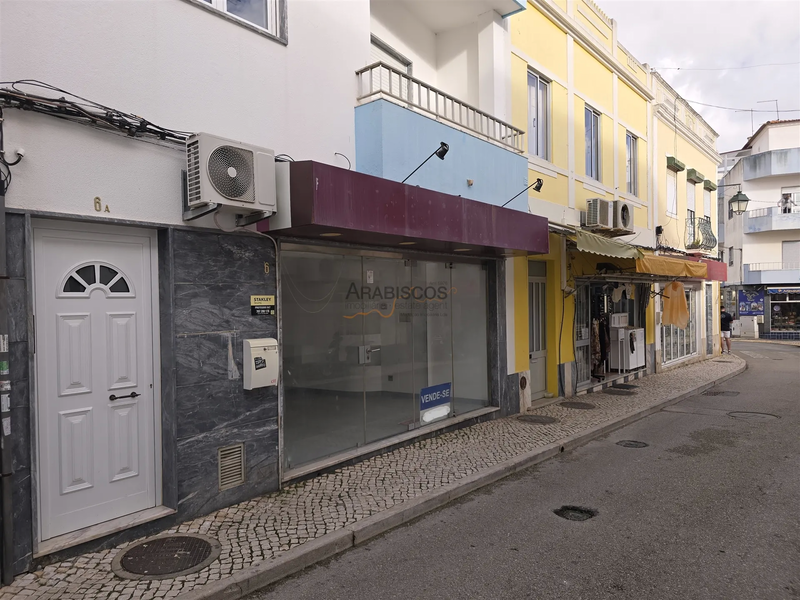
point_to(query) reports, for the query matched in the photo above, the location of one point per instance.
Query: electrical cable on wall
(71, 107)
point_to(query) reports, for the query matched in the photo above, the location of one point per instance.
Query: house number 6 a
(266, 267)
(98, 205)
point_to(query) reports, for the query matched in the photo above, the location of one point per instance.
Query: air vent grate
(193, 172)
(231, 466)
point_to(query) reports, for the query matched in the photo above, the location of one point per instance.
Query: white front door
(537, 321)
(94, 373)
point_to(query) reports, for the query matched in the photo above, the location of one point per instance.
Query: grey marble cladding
(220, 307)
(222, 404)
(223, 258)
(19, 373)
(198, 489)
(212, 278)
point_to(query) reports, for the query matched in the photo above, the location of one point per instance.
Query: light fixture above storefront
(407, 243)
(462, 250)
(331, 234)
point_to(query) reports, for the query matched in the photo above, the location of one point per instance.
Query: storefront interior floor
(319, 423)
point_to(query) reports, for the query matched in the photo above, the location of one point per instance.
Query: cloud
(719, 34)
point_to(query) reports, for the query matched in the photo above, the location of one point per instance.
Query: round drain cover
(166, 556)
(631, 444)
(752, 416)
(575, 513)
(540, 419)
(578, 405)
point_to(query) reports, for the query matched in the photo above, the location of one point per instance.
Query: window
(261, 13)
(631, 164)
(389, 82)
(690, 196)
(791, 254)
(83, 280)
(730, 256)
(691, 230)
(707, 203)
(592, 126)
(538, 116)
(672, 194)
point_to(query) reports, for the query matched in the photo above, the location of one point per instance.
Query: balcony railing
(773, 266)
(700, 234)
(382, 79)
(771, 218)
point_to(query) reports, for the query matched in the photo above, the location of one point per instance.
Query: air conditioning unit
(598, 214)
(623, 215)
(229, 173)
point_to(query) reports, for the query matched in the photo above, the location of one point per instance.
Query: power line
(740, 109)
(725, 68)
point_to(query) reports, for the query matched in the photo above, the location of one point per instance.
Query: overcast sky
(719, 34)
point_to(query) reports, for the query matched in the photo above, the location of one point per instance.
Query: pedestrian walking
(725, 319)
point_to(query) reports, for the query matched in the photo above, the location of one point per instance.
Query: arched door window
(81, 281)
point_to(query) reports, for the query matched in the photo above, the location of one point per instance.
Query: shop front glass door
(364, 337)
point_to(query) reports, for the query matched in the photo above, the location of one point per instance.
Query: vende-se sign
(435, 396)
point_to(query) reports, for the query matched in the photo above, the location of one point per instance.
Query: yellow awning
(671, 267)
(590, 242)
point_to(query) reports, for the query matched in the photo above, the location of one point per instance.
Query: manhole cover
(625, 386)
(752, 416)
(578, 405)
(575, 513)
(616, 392)
(166, 556)
(631, 444)
(719, 393)
(540, 419)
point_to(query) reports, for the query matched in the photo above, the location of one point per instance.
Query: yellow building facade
(594, 124)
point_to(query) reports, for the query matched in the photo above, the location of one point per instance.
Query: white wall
(784, 136)
(767, 247)
(181, 67)
(396, 26)
(457, 59)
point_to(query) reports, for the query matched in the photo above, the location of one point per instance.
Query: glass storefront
(370, 338)
(679, 343)
(785, 312)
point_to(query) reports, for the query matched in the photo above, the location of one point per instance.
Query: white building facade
(127, 318)
(762, 246)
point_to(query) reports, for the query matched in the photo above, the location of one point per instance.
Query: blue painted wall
(392, 141)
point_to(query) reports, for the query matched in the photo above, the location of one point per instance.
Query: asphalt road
(710, 509)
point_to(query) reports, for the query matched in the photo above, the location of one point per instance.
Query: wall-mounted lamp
(536, 185)
(737, 204)
(440, 152)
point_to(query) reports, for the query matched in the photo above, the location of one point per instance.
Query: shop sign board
(751, 303)
(262, 306)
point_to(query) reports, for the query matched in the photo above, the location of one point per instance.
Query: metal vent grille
(231, 466)
(231, 173)
(193, 171)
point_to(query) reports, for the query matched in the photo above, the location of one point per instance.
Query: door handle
(112, 397)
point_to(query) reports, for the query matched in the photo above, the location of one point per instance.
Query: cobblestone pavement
(265, 527)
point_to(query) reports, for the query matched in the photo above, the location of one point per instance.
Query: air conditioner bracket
(249, 219)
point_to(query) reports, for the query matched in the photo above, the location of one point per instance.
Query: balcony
(700, 234)
(772, 163)
(771, 273)
(400, 121)
(770, 219)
